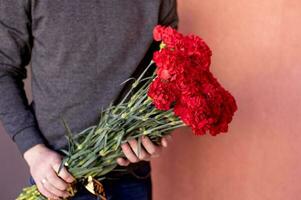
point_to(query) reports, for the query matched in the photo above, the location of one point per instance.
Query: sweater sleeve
(15, 51)
(169, 14)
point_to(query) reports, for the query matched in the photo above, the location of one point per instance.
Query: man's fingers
(64, 174)
(52, 189)
(130, 150)
(56, 181)
(164, 142)
(45, 192)
(150, 147)
(168, 137)
(129, 153)
(142, 155)
(123, 162)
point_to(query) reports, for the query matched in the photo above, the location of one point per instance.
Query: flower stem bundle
(181, 92)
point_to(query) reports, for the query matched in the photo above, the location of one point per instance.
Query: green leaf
(71, 142)
(139, 146)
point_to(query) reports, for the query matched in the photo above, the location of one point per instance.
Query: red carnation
(161, 94)
(184, 81)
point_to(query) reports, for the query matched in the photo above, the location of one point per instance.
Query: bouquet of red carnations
(181, 92)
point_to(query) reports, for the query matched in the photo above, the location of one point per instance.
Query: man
(80, 52)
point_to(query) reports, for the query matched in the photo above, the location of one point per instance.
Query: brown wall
(257, 56)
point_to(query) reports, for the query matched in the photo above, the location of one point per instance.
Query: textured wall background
(257, 56)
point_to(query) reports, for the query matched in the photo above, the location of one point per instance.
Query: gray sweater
(80, 52)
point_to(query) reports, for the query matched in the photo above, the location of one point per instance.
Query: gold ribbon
(92, 185)
(72, 189)
(96, 188)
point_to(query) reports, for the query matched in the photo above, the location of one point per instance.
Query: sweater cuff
(27, 138)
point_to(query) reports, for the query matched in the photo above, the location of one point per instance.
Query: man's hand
(149, 150)
(44, 164)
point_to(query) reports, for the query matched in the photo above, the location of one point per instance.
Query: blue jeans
(126, 187)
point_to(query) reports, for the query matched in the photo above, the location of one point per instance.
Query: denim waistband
(140, 170)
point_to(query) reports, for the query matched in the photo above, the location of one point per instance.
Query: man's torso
(82, 52)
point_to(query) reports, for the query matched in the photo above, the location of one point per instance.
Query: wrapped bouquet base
(181, 92)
